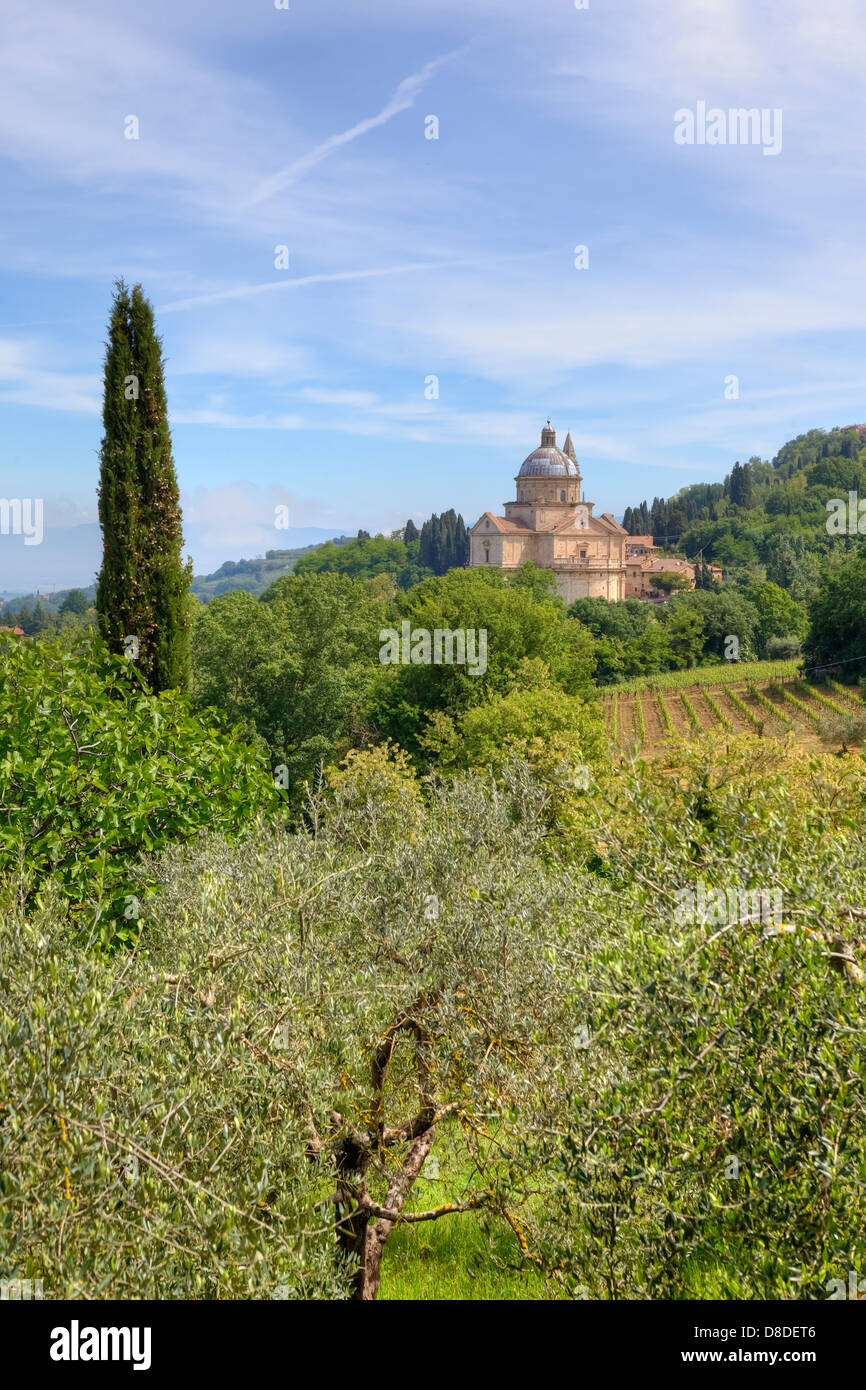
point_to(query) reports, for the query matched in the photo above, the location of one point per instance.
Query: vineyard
(760, 698)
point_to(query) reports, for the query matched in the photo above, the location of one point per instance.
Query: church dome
(549, 462)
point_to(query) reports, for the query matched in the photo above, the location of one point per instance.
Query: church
(551, 523)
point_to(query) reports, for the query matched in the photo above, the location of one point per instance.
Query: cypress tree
(425, 548)
(449, 540)
(410, 532)
(461, 557)
(440, 531)
(436, 543)
(444, 542)
(142, 590)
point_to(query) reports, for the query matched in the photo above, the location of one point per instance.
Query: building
(642, 563)
(551, 523)
(640, 545)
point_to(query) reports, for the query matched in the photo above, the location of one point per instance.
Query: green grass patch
(721, 674)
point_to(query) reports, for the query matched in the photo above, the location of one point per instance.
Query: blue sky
(411, 257)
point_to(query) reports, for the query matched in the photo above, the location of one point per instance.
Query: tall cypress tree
(142, 590)
(461, 554)
(449, 540)
(425, 548)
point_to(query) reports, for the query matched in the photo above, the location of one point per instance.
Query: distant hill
(255, 575)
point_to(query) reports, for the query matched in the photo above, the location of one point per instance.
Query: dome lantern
(549, 462)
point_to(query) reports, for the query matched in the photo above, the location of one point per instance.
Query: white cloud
(26, 379)
(210, 355)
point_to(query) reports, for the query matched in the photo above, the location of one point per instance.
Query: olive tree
(306, 1018)
(400, 985)
(725, 1157)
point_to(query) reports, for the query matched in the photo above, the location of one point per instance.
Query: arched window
(522, 495)
(562, 495)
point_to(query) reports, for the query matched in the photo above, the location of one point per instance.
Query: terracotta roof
(16, 631)
(612, 522)
(659, 563)
(503, 523)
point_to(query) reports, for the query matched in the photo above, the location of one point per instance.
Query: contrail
(403, 97)
(247, 291)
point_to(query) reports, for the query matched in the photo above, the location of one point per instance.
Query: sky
(429, 309)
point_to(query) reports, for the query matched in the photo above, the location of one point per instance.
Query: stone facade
(551, 523)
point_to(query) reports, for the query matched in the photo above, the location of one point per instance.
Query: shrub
(374, 793)
(95, 770)
(842, 730)
(665, 714)
(783, 648)
(717, 1145)
(540, 724)
(144, 1151)
(774, 710)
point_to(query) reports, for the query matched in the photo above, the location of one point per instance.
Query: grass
(707, 675)
(465, 1256)
(455, 1258)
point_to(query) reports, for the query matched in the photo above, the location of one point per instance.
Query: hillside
(256, 575)
(766, 513)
